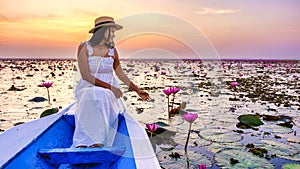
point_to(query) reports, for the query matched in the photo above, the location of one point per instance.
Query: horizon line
(185, 59)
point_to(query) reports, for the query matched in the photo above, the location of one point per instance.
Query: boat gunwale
(59, 115)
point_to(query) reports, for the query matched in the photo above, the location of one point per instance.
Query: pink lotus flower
(46, 84)
(190, 117)
(202, 166)
(234, 84)
(174, 90)
(152, 128)
(167, 91)
(157, 68)
(171, 90)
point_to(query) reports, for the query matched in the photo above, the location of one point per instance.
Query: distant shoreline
(145, 59)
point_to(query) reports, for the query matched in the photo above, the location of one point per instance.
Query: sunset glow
(238, 30)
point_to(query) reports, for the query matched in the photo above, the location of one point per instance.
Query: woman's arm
(121, 75)
(82, 59)
(124, 78)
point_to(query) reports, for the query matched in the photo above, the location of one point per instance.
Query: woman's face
(111, 32)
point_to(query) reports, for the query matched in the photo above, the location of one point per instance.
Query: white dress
(96, 117)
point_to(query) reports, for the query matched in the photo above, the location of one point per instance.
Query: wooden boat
(46, 142)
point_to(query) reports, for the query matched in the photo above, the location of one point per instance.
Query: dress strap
(89, 48)
(111, 52)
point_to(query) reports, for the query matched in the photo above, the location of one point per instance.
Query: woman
(98, 96)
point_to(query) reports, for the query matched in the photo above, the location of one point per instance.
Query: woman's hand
(144, 95)
(118, 93)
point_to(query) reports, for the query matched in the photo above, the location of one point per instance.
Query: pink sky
(233, 29)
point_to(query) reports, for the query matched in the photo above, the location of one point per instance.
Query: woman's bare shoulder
(81, 46)
(81, 49)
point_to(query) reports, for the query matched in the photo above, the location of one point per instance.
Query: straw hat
(105, 21)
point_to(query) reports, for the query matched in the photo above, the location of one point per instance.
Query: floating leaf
(37, 99)
(13, 88)
(166, 147)
(276, 128)
(161, 124)
(286, 124)
(250, 120)
(220, 119)
(216, 147)
(166, 159)
(289, 137)
(291, 166)
(226, 118)
(297, 156)
(277, 118)
(244, 159)
(161, 135)
(194, 140)
(220, 124)
(220, 135)
(278, 148)
(49, 112)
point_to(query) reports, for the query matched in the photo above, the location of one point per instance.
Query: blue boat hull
(51, 147)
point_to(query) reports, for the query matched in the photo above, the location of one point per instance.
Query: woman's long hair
(98, 36)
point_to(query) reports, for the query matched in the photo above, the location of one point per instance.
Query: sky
(211, 29)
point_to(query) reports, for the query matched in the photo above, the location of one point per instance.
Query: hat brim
(118, 27)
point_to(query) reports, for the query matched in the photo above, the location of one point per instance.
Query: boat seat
(103, 155)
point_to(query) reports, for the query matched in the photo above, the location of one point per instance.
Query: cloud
(214, 11)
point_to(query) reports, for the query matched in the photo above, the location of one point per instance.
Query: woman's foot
(81, 146)
(96, 145)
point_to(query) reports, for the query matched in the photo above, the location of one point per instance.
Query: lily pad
(161, 124)
(162, 135)
(277, 118)
(223, 120)
(250, 120)
(49, 112)
(289, 137)
(37, 99)
(13, 88)
(276, 129)
(220, 135)
(216, 147)
(221, 124)
(278, 148)
(192, 159)
(194, 140)
(244, 160)
(295, 157)
(291, 166)
(226, 118)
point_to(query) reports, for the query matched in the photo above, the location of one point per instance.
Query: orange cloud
(44, 31)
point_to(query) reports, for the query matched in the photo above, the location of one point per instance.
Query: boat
(47, 143)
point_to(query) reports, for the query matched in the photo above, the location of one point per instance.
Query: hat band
(100, 23)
